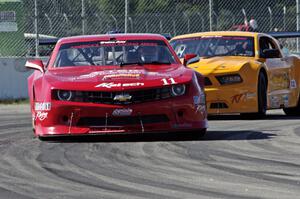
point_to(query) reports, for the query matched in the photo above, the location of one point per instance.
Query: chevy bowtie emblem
(122, 97)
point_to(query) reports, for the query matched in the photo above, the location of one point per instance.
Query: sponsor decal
(122, 112)
(122, 97)
(121, 76)
(275, 102)
(109, 72)
(41, 115)
(112, 42)
(238, 98)
(108, 85)
(113, 85)
(42, 106)
(242, 97)
(285, 99)
(293, 84)
(250, 95)
(196, 100)
(280, 81)
(200, 108)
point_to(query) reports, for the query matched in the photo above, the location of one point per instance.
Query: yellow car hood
(220, 64)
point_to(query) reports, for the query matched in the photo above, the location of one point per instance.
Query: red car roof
(130, 36)
(109, 36)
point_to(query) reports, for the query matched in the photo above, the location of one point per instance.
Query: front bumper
(76, 118)
(231, 99)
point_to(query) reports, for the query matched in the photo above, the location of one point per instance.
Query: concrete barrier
(13, 78)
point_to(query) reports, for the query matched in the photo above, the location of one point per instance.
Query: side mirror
(36, 65)
(271, 53)
(190, 58)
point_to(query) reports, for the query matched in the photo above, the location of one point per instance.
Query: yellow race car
(245, 72)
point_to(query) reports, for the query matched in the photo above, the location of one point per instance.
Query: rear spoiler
(48, 41)
(279, 35)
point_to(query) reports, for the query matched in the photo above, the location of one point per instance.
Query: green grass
(14, 101)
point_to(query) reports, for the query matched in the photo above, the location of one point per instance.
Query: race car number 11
(168, 81)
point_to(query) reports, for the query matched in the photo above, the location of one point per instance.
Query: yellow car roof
(218, 33)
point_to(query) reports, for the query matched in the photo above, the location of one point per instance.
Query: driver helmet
(148, 53)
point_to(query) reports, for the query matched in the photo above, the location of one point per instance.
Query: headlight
(229, 79)
(64, 95)
(178, 90)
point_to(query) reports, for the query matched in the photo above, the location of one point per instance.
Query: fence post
(297, 15)
(50, 23)
(174, 28)
(188, 21)
(131, 24)
(83, 16)
(36, 29)
(210, 15)
(115, 20)
(126, 16)
(284, 18)
(271, 18)
(202, 21)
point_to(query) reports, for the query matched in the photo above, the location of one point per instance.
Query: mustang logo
(122, 97)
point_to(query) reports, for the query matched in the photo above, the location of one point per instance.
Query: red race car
(115, 84)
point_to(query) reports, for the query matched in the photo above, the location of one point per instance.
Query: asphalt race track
(236, 159)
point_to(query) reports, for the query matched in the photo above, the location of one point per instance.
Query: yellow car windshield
(212, 46)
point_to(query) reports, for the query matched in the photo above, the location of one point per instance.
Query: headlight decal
(178, 90)
(64, 95)
(229, 79)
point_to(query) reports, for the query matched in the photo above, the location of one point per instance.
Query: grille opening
(104, 97)
(121, 121)
(207, 81)
(180, 113)
(65, 118)
(218, 105)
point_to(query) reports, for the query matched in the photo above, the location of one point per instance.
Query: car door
(278, 73)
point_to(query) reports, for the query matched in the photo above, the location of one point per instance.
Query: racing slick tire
(293, 111)
(199, 133)
(42, 138)
(261, 99)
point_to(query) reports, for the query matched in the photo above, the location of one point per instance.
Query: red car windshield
(211, 46)
(114, 52)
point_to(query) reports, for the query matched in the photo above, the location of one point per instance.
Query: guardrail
(13, 78)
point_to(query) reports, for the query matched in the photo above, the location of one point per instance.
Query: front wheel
(199, 133)
(294, 111)
(261, 99)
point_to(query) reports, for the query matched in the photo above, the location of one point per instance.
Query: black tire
(261, 99)
(200, 133)
(47, 139)
(294, 111)
(42, 138)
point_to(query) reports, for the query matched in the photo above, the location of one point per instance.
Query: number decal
(168, 81)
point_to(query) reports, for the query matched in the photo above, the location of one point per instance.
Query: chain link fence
(61, 18)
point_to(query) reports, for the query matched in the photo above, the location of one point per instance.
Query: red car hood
(116, 78)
